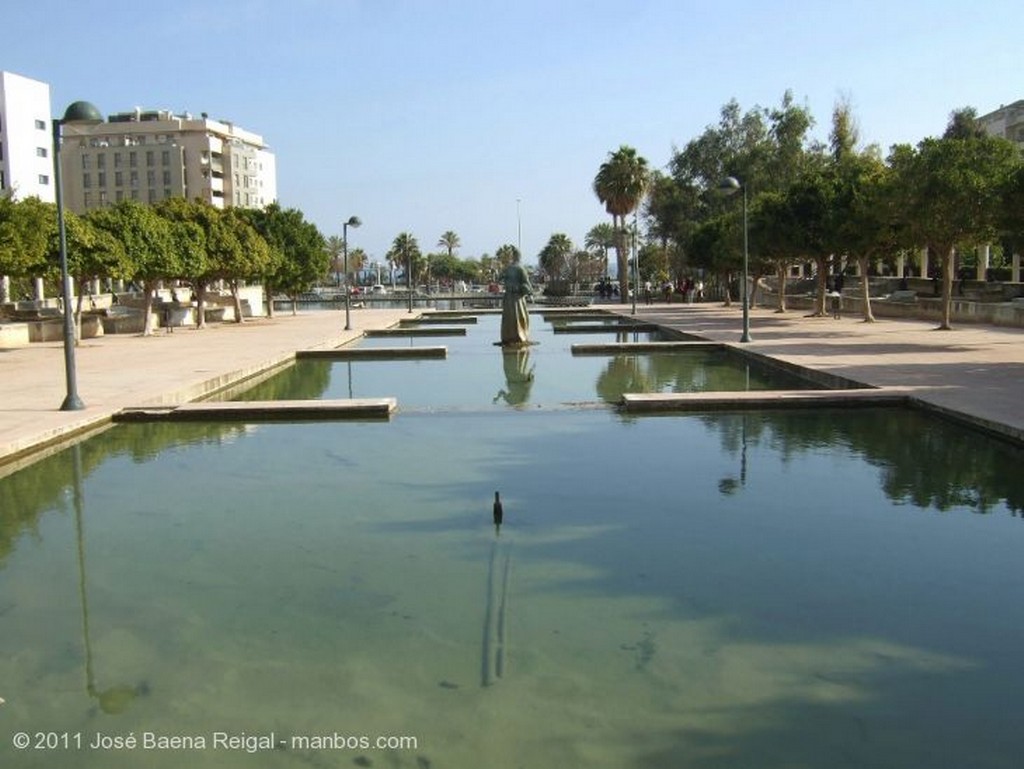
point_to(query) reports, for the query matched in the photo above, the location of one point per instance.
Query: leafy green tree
(146, 240)
(91, 253)
(196, 227)
(620, 185)
(297, 248)
(26, 228)
(949, 192)
(246, 255)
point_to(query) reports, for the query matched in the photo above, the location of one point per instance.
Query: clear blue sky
(434, 116)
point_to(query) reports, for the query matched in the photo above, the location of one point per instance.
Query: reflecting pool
(829, 589)
(477, 374)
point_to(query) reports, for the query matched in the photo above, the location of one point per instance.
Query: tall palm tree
(505, 255)
(599, 239)
(405, 253)
(449, 242)
(335, 249)
(620, 185)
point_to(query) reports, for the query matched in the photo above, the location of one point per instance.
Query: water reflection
(921, 460)
(118, 698)
(696, 371)
(518, 377)
(29, 493)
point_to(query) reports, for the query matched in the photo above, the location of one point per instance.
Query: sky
(491, 119)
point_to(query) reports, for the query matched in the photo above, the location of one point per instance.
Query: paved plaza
(976, 372)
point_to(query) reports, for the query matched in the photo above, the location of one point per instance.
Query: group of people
(691, 290)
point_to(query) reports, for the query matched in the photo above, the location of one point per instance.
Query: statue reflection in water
(115, 699)
(518, 377)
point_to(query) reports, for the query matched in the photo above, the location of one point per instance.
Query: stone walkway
(976, 372)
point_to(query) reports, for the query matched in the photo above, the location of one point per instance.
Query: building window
(41, 152)
(87, 180)
(86, 162)
(165, 157)
(101, 179)
(135, 194)
(167, 178)
(151, 178)
(88, 199)
(167, 192)
(133, 179)
(41, 125)
(101, 160)
(117, 160)
(150, 158)
(44, 179)
(152, 196)
(118, 179)
(118, 196)
(103, 197)
(133, 159)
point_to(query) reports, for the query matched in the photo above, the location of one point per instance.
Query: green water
(476, 374)
(828, 589)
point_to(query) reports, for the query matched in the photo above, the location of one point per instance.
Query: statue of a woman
(515, 318)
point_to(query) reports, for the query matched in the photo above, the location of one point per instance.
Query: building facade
(26, 138)
(152, 155)
(1007, 121)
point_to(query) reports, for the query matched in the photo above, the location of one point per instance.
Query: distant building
(152, 155)
(26, 139)
(1007, 121)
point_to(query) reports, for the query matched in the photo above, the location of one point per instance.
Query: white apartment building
(1007, 121)
(151, 155)
(26, 138)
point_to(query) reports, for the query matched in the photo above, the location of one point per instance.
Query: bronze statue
(515, 318)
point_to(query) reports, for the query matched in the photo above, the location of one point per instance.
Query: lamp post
(636, 265)
(79, 113)
(728, 186)
(353, 221)
(519, 229)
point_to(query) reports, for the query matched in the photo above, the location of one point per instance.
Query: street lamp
(79, 113)
(728, 186)
(353, 221)
(636, 265)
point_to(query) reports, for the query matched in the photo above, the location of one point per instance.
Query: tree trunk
(783, 269)
(147, 308)
(819, 299)
(200, 291)
(620, 256)
(237, 300)
(728, 289)
(947, 289)
(862, 262)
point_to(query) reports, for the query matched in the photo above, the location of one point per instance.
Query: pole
(746, 302)
(71, 402)
(519, 229)
(348, 290)
(408, 277)
(636, 266)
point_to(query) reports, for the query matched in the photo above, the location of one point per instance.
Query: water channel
(787, 589)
